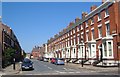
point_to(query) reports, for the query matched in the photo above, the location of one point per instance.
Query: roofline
(91, 14)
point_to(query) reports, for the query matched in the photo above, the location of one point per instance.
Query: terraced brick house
(93, 39)
(8, 40)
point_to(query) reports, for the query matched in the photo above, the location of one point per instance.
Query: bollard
(14, 64)
(20, 66)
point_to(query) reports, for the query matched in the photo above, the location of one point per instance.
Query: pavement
(94, 68)
(10, 71)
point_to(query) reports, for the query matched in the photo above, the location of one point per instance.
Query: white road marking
(57, 71)
(69, 69)
(77, 72)
(49, 67)
(71, 72)
(65, 68)
(63, 72)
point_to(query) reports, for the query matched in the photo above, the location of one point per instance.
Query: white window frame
(106, 14)
(87, 34)
(93, 51)
(111, 49)
(73, 31)
(92, 21)
(78, 29)
(86, 24)
(71, 42)
(92, 33)
(68, 34)
(82, 35)
(99, 26)
(107, 49)
(107, 22)
(99, 17)
(68, 43)
(81, 27)
(78, 40)
(74, 41)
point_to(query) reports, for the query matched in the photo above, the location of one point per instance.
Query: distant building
(35, 52)
(38, 52)
(8, 40)
(28, 55)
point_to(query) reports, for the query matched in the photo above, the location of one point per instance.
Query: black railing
(83, 61)
(96, 62)
(68, 60)
(75, 60)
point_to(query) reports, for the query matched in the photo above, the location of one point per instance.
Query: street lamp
(82, 52)
(82, 56)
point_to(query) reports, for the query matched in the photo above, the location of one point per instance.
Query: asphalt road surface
(46, 68)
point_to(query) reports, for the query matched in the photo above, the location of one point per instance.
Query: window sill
(86, 26)
(82, 29)
(99, 38)
(99, 20)
(106, 16)
(92, 23)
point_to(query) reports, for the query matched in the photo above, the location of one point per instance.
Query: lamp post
(13, 63)
(82, 57)
(82, 52)
(14, 60)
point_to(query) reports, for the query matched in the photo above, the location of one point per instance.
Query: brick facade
(93, 38)
(38, 52)
(8, 40)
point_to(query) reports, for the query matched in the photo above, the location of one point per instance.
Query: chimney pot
(77, 19)
(84, 14)
(93, 7)
(71, 23)
(104, 1)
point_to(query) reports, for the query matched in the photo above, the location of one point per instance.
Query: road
(46, 68)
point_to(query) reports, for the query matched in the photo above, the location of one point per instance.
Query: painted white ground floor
(91, 52)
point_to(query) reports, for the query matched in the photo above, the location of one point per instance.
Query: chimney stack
(71, 23)
(84, 14)
(104, 1)
(77, 19)
(93, 7)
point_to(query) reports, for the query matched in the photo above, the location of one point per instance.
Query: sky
(0, 8)
(35, 22)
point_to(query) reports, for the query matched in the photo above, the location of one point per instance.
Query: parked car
(27, 64)
(41, 58)
(53, 60)
(59, 61)
(45, 59)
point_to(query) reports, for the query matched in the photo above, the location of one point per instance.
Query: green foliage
(24, 55)
(8, 56)
(9, 53)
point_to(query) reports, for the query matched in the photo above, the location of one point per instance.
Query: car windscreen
(26, 61)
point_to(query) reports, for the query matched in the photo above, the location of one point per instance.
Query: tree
(9, 54)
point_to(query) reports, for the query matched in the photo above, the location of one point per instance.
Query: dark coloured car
(27, 64)
(59, 61)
